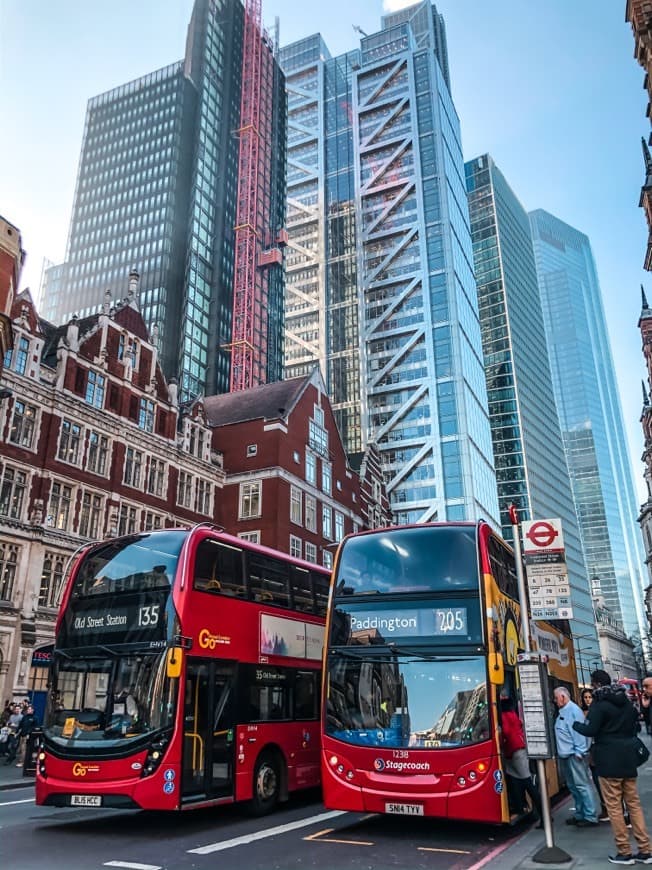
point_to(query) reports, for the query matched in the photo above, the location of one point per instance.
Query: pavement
(586, 847)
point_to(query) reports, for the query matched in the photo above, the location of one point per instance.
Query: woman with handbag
(612, 722)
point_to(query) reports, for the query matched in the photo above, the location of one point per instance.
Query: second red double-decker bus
(186, 673)
(423, 635)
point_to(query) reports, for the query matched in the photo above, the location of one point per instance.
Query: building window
(250, 500)
(127, 520)
(95, 388)
(254, 537)
(326, 477)
(311, 468)
(339, 526)
(54, 566)
(197, 439)
(156, 477)
(133, 467)
(146, 415)
(22, 424)
(338, 485)
(203, 497)
(151, 521)
(317, 434)
(69, 442)
(311, 513)
(252, 449)
(327, 522)
(184, 492)
(98, 452)
(12, 493)
(59, 509)
(295, 547)
(311, 552)
(296, 457)
(327, 558)
(295, 505)
(22, 355)
(90, 515)
(8, 564)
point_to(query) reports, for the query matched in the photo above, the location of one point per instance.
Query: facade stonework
(12, 258)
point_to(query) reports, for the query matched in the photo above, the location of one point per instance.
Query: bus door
(209, 729)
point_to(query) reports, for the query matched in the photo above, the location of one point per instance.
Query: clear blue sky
(550, 89)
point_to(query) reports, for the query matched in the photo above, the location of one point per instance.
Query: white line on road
(260, 835)
(13, 803)
(131, 866)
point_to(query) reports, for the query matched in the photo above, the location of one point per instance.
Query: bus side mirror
(496, 669)
(174, 662)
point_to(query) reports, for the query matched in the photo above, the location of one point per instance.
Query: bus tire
(267, 784)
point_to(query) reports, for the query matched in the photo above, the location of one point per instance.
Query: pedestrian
(517, 763)
(646, 699)
(586, 701)
(573, 752)
(13, 723)
(612, 722)
(27, 724)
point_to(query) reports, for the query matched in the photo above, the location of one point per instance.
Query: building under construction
(182, 176)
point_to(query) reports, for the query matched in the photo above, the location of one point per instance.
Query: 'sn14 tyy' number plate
(85, 800)
(404, 809)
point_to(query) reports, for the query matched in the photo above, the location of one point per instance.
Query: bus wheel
(267, 784)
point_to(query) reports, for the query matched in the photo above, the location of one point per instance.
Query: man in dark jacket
(612, 721)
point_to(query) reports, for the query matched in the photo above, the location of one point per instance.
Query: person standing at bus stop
(646, 702)
(613, 723)
(573, 751)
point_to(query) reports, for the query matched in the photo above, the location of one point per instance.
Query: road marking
(320, 838)
(131, 866)
(448, 851)
(13, 803)
(261, 835)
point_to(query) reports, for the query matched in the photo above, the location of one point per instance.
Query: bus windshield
(109, 700)
(408, 702)
(412, 559)
(134, 564)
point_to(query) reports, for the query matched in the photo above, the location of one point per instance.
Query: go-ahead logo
(82, 769)
(208, 640)
(379, 764)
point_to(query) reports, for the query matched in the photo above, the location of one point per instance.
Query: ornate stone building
(639, 14)
(12, 258)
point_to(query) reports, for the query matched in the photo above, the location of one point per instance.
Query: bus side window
(320, 583)
(269, 579)
(305, 695)
(301, 589)
(218, 568)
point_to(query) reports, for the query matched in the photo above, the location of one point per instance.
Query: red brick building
(289, 484)
(93, 443)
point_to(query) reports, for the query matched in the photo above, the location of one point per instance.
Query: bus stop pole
(551, 854)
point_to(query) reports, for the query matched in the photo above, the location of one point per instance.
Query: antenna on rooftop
(359, 30)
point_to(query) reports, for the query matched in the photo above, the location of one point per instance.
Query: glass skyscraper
(157, 189)
(377, 203)
(531, 468)
(590, 415)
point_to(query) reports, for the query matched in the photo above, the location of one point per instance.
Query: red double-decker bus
(186, 672)
(423, 634)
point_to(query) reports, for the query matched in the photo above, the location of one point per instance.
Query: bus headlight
(154, 756)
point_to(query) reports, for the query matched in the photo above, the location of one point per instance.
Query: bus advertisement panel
(423, 635)
(185, 673)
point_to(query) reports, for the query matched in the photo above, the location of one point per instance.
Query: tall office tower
(168, 165)
(386, 119)
(590, 415)
(531, 468)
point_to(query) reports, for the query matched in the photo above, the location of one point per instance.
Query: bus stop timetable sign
(533, 677)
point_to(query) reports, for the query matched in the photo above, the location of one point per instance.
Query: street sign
(545, 567)
(533, 679)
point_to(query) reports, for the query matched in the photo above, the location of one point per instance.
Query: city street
(301, 834)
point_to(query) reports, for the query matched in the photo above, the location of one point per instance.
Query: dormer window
(146, 415)
(95, 388)
(22, 355)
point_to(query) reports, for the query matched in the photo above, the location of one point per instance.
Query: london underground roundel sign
(542, 536)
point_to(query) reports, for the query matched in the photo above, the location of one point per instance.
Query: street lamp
(580, 649)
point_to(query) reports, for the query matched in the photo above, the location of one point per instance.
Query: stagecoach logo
(401, 766)
(79, 769)
(207, 640)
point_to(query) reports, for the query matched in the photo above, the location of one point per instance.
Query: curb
(23, 783)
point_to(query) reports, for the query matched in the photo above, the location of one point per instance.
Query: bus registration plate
(404, 809)
(85, 800)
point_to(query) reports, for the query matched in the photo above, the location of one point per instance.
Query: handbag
(641, 750)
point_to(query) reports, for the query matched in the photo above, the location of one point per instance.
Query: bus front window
(407, 702)
(102, 701)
